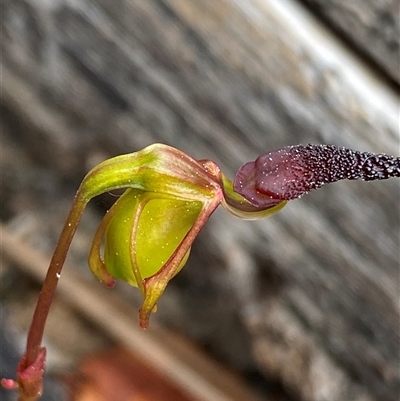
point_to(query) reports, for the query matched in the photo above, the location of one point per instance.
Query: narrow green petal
(118, 237)
(155, 285)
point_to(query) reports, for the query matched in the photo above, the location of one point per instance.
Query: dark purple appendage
(291, 172)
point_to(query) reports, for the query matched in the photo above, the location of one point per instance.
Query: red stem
(49, 286)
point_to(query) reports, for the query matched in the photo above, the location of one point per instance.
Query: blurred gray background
(307, 300)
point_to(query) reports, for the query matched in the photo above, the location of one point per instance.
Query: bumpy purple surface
(292, 171)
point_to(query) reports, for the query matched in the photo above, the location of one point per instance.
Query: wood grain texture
(373, 27)
(174, 360)
(309, 297)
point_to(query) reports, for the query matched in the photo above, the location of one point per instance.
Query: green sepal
(143, 234)
(157, 168)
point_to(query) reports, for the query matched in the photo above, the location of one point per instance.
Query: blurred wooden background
(308, 300)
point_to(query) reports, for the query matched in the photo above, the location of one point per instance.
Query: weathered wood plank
(166, 354)
(372, 26)
(226, 80)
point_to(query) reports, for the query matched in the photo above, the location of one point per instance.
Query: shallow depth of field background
(302, 306)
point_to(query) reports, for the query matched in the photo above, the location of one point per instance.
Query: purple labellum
(292, 171)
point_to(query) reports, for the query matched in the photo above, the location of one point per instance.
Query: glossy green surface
(144, 233)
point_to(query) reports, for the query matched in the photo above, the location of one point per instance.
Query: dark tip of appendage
(311, 166)
(331, 163)
(380, 167)
(293, 171)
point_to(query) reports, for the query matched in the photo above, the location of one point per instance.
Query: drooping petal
(155, 285)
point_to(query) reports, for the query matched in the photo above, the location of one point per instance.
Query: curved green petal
(157, 168)
(162, 226)
(144, 232)
(118, 237)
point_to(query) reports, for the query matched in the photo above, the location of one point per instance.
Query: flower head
(147, 234)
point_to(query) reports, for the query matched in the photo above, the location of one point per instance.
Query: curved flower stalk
(147, 234)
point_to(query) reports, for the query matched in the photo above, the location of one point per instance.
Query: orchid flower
(146, 236)
(148, 232)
